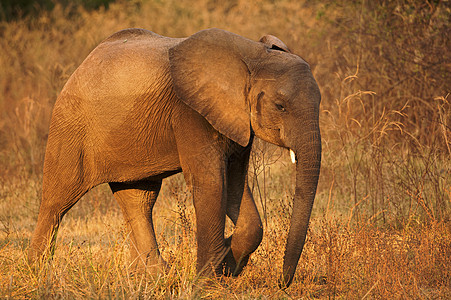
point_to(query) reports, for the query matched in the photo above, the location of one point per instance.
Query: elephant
(142, 107)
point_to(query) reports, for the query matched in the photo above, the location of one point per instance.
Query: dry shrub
(373, 163)
(384, 264)
(386, 110)
(400, 49)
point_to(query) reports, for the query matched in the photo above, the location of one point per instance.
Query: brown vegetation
(380, 226)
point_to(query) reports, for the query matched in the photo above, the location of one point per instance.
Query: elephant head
(243, 87)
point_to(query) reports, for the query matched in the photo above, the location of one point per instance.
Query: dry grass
(380, 226)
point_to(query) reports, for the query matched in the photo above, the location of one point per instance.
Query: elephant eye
(280, 107)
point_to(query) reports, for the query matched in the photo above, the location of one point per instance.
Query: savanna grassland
(380, 227)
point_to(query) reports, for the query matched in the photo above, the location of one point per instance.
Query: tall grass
(380, 225)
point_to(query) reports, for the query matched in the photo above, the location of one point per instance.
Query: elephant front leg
(213, 255)
(241, 209)
(202, 154)
(248, 232)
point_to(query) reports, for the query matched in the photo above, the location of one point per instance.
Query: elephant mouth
(293, 156)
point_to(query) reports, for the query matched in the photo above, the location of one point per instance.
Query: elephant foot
(235, 261)
(157, 270)
(224, 264)
(228, 265)
(231, 266)
(153, 268)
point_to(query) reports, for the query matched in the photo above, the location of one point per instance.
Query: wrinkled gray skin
(142, 107)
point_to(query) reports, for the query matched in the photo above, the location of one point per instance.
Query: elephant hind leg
(137, 200)
(58, 196)
(66, 179)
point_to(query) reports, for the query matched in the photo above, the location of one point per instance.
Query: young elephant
(142, 107)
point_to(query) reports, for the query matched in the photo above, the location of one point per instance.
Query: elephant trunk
(308, 154)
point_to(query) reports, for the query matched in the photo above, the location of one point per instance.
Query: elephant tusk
(293, 156)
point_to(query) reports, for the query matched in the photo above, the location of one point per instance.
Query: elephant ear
(210, 75)
(275, 43)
